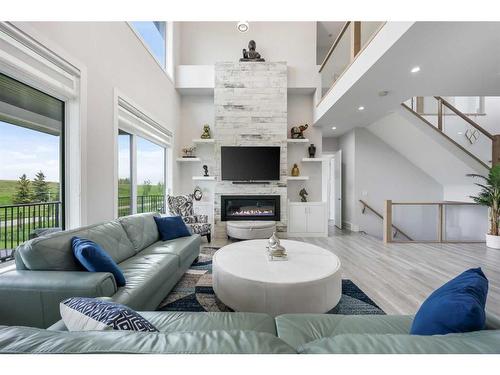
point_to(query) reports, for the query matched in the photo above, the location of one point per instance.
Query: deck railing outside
(144, 203)
(18, 221)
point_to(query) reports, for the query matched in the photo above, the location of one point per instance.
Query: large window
(153, 34)
(31, 162)
(124, 174)
(150, 176)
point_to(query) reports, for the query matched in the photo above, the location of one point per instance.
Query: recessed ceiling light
(334, 128)
(360, 108)
(243, 26)
(415, 69)
(460, 133)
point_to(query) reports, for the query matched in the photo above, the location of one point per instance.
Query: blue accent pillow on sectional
(92, 314)
(171, 227)
(456, 307)
(94, 259)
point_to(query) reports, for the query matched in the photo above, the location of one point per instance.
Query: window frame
(168, 68)
(140, 124)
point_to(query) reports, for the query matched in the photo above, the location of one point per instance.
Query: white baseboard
(350, 226)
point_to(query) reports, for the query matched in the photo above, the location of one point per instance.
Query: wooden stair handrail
(464, 117)
(425, 121)
(334, 45)
(366, 205)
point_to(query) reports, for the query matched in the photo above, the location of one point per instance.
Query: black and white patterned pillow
(91, 314)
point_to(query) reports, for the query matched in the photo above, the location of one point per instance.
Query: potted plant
(490, 196)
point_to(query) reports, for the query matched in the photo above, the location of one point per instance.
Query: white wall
(114, 59)
(347, 145)
(381, 173)
(205, 43)
(330, 144)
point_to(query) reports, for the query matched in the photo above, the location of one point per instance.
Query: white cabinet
(307, 219)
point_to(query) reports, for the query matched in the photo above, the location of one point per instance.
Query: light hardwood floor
(398, 277)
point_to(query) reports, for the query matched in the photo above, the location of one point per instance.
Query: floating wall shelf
(297, 178)
(188, 159)
(203, 178)
(199, 140)
(313, 159)
(293, 140)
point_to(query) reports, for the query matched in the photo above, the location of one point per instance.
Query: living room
(286, 185)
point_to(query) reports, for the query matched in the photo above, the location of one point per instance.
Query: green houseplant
(490, 196)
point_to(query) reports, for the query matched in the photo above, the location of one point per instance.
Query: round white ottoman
(249, 230)
(308, 282)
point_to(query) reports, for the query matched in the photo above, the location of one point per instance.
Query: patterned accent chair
(182, 205)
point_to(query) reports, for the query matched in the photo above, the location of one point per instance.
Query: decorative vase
(312, 150)
(493, 241)
(295, 170)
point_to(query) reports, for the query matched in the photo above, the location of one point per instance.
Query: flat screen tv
(247, 163)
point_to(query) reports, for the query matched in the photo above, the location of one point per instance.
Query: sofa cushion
(94, 259)
(171, 227)
(455, 343)
(141, 229)
(54, 253)
(457, 306)
(299, 329)
(183, 248)
(34, 340)
(145, 274)
(91, 314)
(179, 321)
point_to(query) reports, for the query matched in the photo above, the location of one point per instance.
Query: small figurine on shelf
(295, 171)
(297, 132)
(303, 195)
(206, 132)
(251, 54)
(205, 170)
(189, 152)
(312, 150)
(198, 194)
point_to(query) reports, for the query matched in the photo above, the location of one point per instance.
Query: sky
(153, 39)
(27, 151)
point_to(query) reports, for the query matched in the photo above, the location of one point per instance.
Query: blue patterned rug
(194, 292)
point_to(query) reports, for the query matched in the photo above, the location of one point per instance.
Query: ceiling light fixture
(334, 128)
(415, 69)
(360, 108)
(243, 26)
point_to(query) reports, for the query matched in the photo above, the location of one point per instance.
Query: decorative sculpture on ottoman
(251, 54)
(182, 205)
(297, 132)
(274, 248)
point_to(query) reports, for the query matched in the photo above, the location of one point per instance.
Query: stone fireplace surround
(250, 110)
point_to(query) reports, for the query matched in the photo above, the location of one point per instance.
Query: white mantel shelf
(203, 178)
(297, 178)
(185, 160)
(297, 140)
(200, 140)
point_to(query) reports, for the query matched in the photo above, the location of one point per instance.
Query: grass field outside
(8, 189)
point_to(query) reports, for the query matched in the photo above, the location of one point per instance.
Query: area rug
(194, 292)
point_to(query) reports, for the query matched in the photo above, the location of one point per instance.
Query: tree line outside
(35, 191)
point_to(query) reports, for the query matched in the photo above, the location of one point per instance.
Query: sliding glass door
(31, 163)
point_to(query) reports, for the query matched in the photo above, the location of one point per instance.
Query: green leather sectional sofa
(237, 333)
(46, 272)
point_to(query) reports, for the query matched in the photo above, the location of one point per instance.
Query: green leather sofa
(237, 333)
(46, 272)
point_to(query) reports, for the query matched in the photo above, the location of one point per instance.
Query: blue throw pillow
(94, 259)
(456, 307)
(171, 227)
(91, 314)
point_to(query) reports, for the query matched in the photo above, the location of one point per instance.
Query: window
(124, 174)
(153, 35)
(143, 155)
(31, 162)
(150, 176)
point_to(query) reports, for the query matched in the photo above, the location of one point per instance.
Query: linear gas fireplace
(250, 207)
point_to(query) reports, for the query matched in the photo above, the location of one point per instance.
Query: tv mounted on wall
(248, 163)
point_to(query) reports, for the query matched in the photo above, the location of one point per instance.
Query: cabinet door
(297, 219)
(316, 221)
